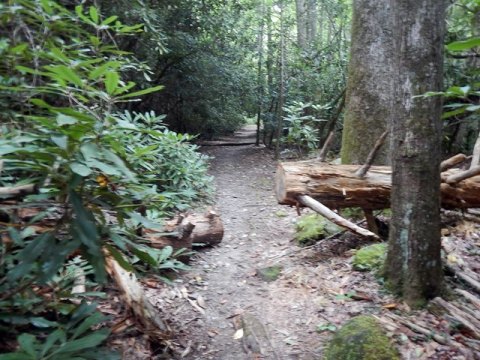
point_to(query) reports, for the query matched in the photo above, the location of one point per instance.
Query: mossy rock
(354, 213)
(370, 258)
(312, 227)
(270, 273)
(361, 338)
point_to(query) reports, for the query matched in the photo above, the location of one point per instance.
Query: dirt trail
(278, 318)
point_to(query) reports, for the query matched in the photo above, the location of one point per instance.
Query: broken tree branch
(136, 299)
(453, 161)
(326, 146)
(456, 178)
(334, 217)
(476, 153)
(362, 171)
(466, 278)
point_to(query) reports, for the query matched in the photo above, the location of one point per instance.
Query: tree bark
(301, 14)
(413, 265)
(369, 85)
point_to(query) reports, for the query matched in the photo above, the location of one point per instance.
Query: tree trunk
(260, 78)
(311, 22)
(301, 13)
(413, 266)
(281, 91)
(369, 85)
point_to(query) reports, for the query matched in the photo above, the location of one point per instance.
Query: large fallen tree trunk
(337, 186)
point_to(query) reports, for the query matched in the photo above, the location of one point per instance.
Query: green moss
(270, 273)
(312, 227)
(352, 213)
(361, 338)
(370, 258)
(281, 214)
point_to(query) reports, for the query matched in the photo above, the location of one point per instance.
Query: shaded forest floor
(226, 307)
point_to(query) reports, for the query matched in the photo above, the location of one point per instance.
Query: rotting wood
(336, 186)
(335, 218)
(188, 230)
(136, 300)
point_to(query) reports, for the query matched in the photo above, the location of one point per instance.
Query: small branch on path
(334, 217)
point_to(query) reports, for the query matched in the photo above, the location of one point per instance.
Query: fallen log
(188, 230)
(337, 186)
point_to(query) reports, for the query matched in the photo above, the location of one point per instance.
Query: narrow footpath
(228, 306)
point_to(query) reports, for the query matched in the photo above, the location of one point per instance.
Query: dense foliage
(98, 174)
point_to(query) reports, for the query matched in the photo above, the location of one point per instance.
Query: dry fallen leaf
(201, 301)
(238, 334)
(390, 306)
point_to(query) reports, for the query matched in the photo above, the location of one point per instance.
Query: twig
(419, 329)
(466, 278)
(371, 157)
(470, 297)
(460, 316)
(334, 217)
(326, 146)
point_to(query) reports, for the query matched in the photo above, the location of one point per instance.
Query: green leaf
(80, 169)
(94, 319)
(141, 92)
(83, 226)
(58, 334)
(86, 342)
(16, 356)
(94, 14)
(464, 44)
(41, 322)
(27, 344)
(111, 81)
(64, 73)
(102, 69)
(144, 256)
(120, 258)
(473, 108)
(109, 20)
(60, 140)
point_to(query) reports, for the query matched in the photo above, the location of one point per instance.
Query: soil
(224, 293)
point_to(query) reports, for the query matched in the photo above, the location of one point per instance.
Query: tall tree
(413, 266)
(260, 76)
(369, 84)
(301, 12)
